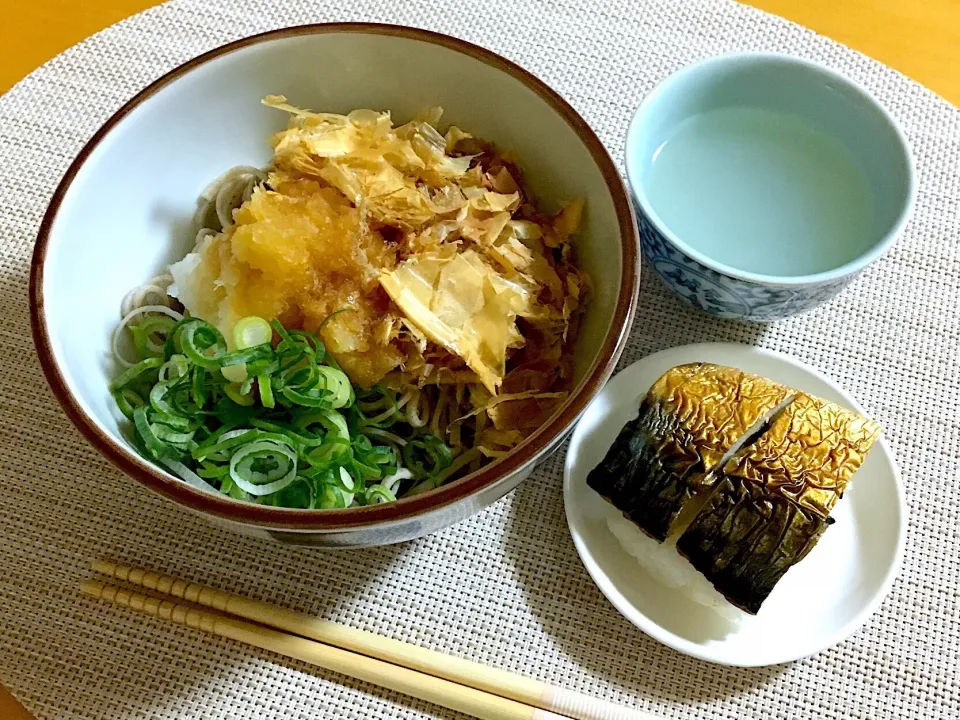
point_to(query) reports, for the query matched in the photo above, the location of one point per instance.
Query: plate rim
(650, 627)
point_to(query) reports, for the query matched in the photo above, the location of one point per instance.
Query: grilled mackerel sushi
(809, 454)
(742, 483)
(690, 418)
(773, 500)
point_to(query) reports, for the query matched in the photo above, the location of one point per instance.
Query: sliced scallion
(235, 393)
(263, 467)
(278, 424)
(250, 332)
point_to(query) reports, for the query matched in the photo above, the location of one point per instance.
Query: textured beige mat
(505, 587)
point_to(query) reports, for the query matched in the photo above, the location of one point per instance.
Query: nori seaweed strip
(746, 537)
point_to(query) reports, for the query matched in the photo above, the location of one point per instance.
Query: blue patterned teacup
(764, 183)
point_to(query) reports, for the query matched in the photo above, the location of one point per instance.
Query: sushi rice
(667, 566)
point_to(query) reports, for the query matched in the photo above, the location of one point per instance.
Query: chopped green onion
(334, 452)
(199, 387)
(130, 374)
(174, 421)
(229, 488)
(311, 344)
(384, 435)
(379, 494)
(156, 447)
(265, 388)
(279, 425)
(256, 354)
(382, 403)
(203, 344)
(250, 332)
(263, 467)
(128, 401)
(212, 472)
(330, 420)
(170, 435)
(216, 444)
(346, 480)
(173, 344)
(280, 330)
(299, 494)
(426, 456)
(158, 398)
(311, 398)
(174, 368)
(437, 480)
(289, 434)
(187, 474)
(392, 482)
(143, 333)
(337, 384)
(235, 373)
(235, 393)
(330, 498)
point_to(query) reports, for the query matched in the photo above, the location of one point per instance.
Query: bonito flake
(409, 251)
(461, 303)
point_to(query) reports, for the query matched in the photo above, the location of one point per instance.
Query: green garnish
(251, 331)
(277, 423)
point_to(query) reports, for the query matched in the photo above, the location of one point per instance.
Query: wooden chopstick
(467, 700)
(465, 674)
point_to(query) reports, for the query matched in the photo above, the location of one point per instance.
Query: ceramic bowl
(792, 88)
(123, 212)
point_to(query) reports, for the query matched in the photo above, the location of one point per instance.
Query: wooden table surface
(921, 38)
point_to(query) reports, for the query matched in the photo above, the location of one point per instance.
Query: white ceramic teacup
(765, 183)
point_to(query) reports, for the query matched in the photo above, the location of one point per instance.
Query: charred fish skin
(668, 472)
(810, 453)
(653, 465)
(745, 538)
(688, 420)
(774, 499)
(646, 473)
(610, 478)
(629, 470)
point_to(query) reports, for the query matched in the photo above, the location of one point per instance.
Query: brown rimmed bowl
(123, 212)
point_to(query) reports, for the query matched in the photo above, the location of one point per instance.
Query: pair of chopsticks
(454, 683)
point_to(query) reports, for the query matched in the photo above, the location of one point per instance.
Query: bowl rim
(743, 59)
(121, 455)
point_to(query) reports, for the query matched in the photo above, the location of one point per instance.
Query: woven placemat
(505, 587)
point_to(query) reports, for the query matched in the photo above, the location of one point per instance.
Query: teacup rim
(848, 269)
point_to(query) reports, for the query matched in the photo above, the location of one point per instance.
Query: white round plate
(818, 603)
